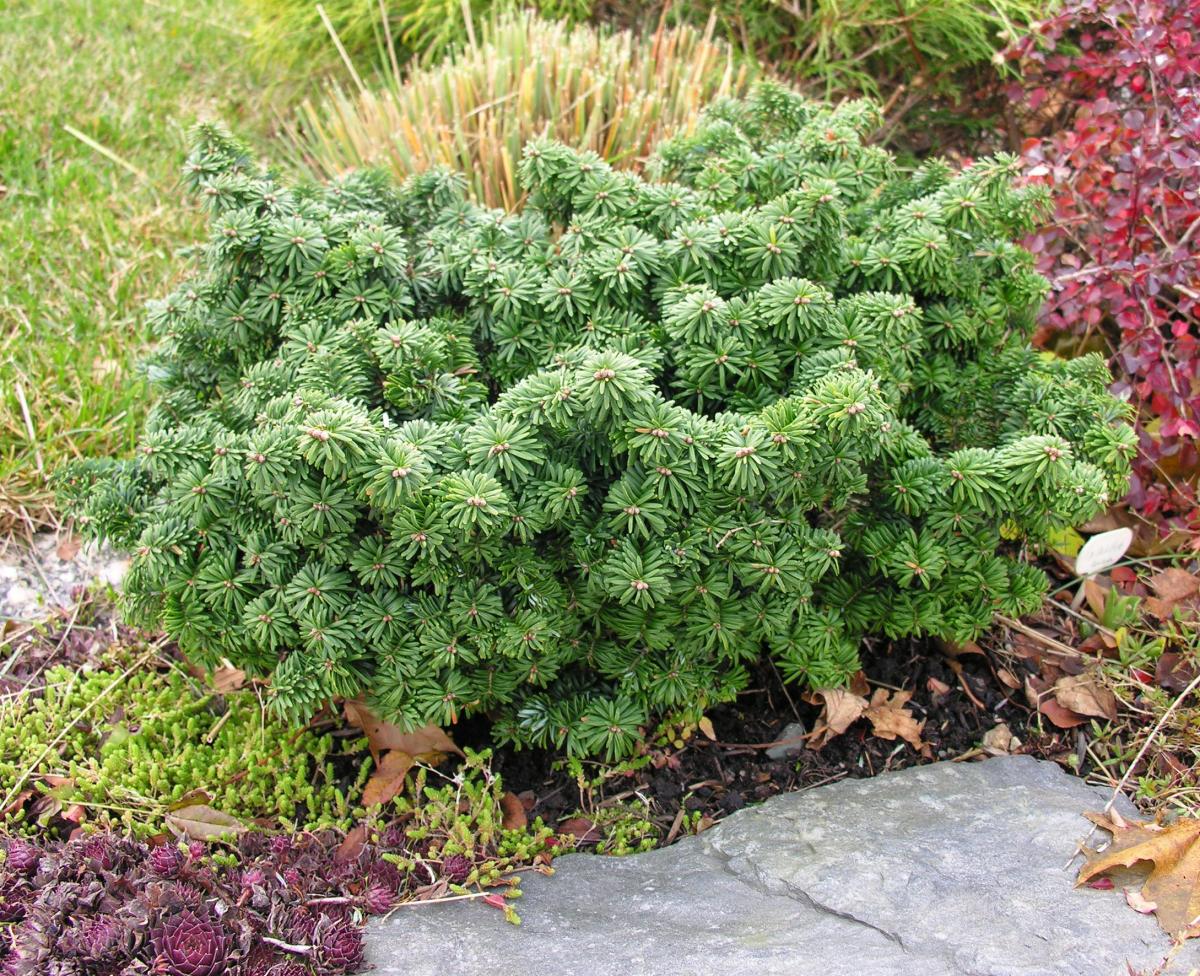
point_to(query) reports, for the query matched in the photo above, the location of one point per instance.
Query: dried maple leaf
(1173, 856)
(891, 720)
(842, 709)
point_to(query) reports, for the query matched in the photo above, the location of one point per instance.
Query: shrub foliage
(581, 465)
(1122, 252)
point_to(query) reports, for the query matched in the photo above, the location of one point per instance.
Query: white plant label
(1101, 551)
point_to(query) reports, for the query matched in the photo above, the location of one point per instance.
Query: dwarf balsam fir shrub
(584, 464)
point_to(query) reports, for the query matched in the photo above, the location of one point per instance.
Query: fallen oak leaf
(388, 779)
(891, 720)
(1173, 853)
(842, 709)
(1085, 694)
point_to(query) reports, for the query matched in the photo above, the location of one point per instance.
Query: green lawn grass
(89, 234)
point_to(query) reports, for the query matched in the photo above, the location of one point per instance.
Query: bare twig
(1056, 646)
(1158, 727)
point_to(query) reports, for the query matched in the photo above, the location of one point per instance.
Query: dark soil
(959, 698)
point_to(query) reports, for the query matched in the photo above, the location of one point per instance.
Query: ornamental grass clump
(583, 465)
(615, 93)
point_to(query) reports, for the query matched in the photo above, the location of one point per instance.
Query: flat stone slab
(953, 869)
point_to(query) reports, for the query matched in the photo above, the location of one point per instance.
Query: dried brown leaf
(1061, 717)
(1097, 596)
(937, 688)
(1008, 678)
(227, 678)
(1086, 694)
(891, 720)
(999, 741)
(513, 811)
(842, 709)
(352, 845)
(1172, 587)
(199, 821)
(1174, 672)
(581, 829)
(1170, 854)
(388, 779)
(425, 743)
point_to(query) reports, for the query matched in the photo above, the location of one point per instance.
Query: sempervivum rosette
(339, 945)
(191, 943)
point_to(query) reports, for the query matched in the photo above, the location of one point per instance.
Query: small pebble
(788, 748)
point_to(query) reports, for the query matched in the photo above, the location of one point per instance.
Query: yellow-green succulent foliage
(127, 744)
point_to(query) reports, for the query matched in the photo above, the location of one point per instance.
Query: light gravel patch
(42, 576)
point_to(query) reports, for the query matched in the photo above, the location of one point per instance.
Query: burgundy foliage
(113, 907)
(1119, 80)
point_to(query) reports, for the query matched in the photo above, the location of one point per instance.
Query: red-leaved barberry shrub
(1120, 80)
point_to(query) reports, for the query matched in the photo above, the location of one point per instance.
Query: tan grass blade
(519, 77)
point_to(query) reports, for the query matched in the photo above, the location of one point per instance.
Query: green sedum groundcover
(582, 465)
